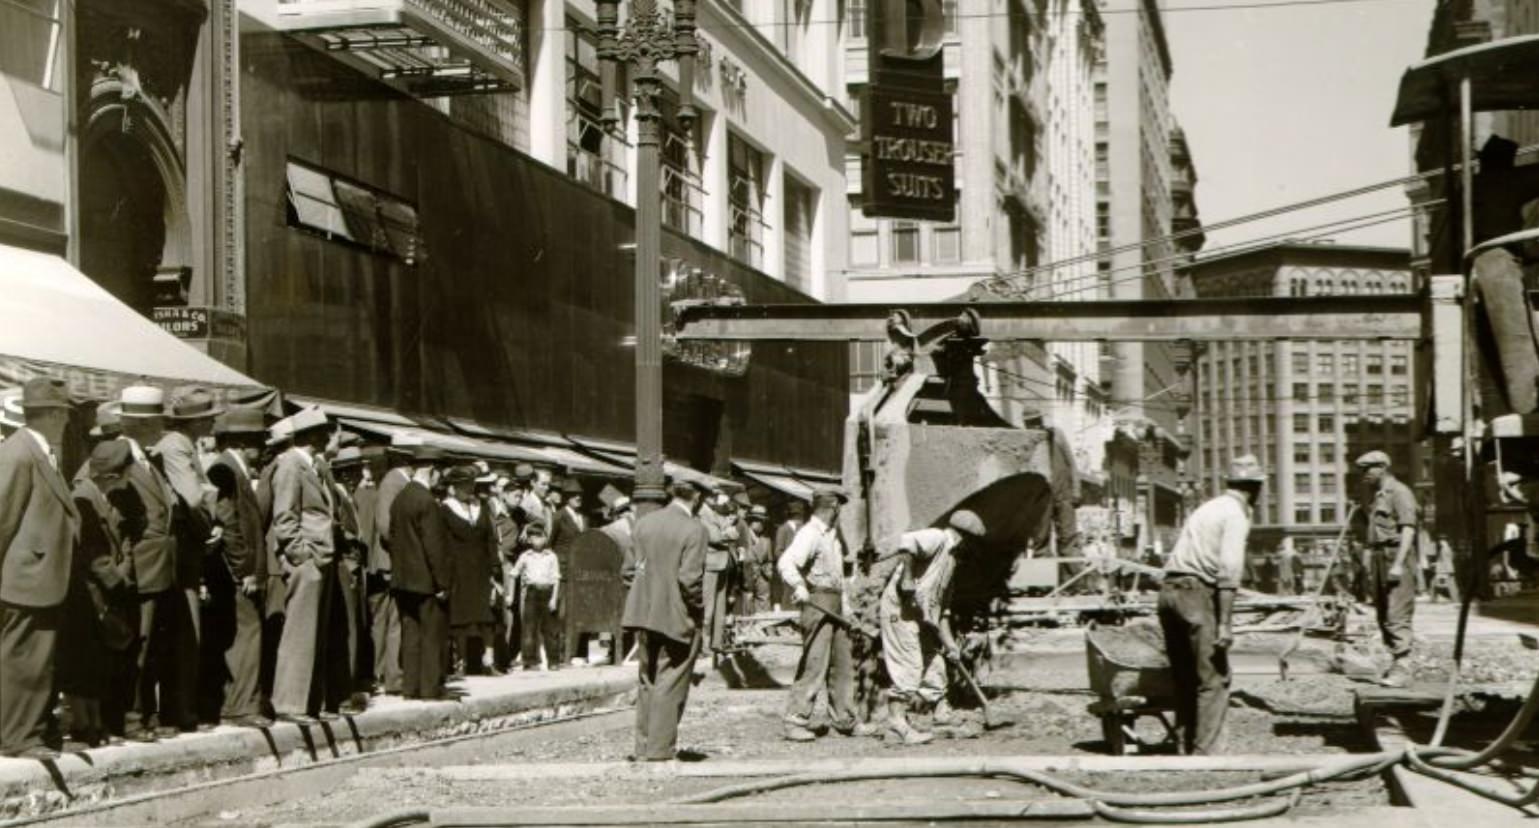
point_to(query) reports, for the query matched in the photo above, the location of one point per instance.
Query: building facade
(415, 206)
(1306, 409)
(1136, 155)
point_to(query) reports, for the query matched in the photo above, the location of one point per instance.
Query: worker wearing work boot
(813, 568)
(1390, 536)
(916, 626)
(1197, 601)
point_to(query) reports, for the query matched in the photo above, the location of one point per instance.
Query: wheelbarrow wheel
(1111, 732)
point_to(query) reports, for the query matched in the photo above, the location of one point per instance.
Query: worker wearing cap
(1389, 537)
(757, 563)
(916, 623)
(1197, 602)
(813, 568)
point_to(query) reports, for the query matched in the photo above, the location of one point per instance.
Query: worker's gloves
(801, 595)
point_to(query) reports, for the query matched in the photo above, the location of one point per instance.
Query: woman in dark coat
(473, 555)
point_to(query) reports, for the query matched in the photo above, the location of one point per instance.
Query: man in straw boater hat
(40, 524)
(1197, 602)
(168, 578)
(239, 435)
(312, 675)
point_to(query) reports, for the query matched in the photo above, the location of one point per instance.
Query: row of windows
(1373, 364)
(906, 245)
(1347, 286)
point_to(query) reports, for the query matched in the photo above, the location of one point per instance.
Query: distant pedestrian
(665, 572)
(1390, 539)
(421, 577)
(813, 567)
(1288, 570)
(757, 565)
(537, 578)
(40, 524)
(796, 517)
(720, 523)
(1196, 605)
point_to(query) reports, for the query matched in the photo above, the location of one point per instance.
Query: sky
(1286, 104)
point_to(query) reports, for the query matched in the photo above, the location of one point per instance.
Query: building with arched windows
(1307, 409)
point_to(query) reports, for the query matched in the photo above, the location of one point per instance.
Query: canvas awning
(1501, 75)
(798, 483)
(56, 321)
(625, 454)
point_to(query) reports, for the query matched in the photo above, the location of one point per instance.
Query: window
(905, 242)
(1400, 395)
(344, 211)
(1398, 365)
(855, 19)
(1325, 364)
(1349, 365)
(1301, 392)
(682, 196)
(746, 169)
(1325, 392)
(863, 248)
(594, 156)
(1327, 513)
(1375, 394)
(1327, 424)
(949, 9)
(1327, 452)
(1300, 423)
(1328, 483)
(1301, 483)
(948, 244)
(1301, 452)
(1375, 365)
(1300, 363)
(31, 40)
(1349, 394)
(1301, 513)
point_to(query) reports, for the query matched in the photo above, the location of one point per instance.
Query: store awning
(798, 483)
(558, 450)
(782, 483)
(625, 454)
(56, 321)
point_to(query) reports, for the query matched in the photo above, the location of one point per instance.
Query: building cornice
(1152, 9)
(736, 25)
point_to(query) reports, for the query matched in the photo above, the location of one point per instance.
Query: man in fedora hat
(420, 577)
(167, 578)
(665, 574)
(190, 419)
(384, 614)
(1197, 602)
(757, 562)
(566, 523)
(11, 416)
(311, 678)
(40, 525)
(344, 473)
(813, 568)
(239, 434)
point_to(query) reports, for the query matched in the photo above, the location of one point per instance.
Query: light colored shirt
(1212, 543)
(930, 566)
(814, 558)
(538, 567)
(1392, 508)
(468, 512)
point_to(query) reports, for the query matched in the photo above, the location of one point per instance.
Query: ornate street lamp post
(648, 40)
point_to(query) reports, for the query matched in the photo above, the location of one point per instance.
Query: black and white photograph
(478, 413)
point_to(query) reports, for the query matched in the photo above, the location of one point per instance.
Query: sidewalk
(490, 703)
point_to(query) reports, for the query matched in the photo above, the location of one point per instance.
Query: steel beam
(1394, 316)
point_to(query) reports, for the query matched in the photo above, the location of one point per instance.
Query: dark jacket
(244, 540)
(665, 570)
(472, 553)
(563, 533)
(390, 487)
(419, 543)
(148, 507)
(38, 525)
(103, 607)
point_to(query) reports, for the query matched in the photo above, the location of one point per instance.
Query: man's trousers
(665, 667)
(385, 632)
(424, 644)
(826, 663)
(1395, 605)
(1188, 610)
(28, 638)
(312, 672)
(166, 669)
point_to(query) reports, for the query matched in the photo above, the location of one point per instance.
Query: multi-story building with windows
(1307, 409)
(1138, 150)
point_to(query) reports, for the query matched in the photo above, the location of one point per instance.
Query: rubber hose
(1467, 760)
(394, 819)
(1526, 798)
(1466, 600)
(1375, 761)
(1265, 810)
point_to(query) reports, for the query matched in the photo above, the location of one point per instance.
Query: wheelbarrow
(1130, 677)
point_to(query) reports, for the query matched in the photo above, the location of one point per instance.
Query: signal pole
(647, 40)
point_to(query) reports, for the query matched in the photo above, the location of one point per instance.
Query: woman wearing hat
(472, 554)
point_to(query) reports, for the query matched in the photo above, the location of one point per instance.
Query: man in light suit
(39, 525)
(168, 615)
(384, 615)
(190, 418)
(419, 555)
(242, 548)
(311, 676)
(665, 571)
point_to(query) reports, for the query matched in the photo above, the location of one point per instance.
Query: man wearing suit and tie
(168, 601)
(384, 615)
(312, 674)
(665, 571)
(38, 525)
(420, 579)
(239, 434)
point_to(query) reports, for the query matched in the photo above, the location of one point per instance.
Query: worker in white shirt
(813, 568)
(1197, 602)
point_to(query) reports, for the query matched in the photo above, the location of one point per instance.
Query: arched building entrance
(135, 239)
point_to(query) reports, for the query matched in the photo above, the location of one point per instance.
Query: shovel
(990, 722)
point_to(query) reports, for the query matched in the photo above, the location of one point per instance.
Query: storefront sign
(200, 322)
(909, 171)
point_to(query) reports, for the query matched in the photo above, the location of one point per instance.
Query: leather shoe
(797, 733)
